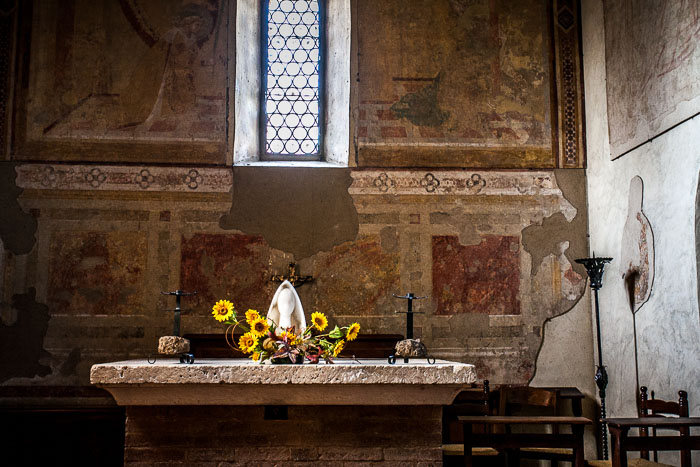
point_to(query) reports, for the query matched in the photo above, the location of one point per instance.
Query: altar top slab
(243, 382)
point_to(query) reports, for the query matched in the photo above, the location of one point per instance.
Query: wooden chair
(661, 408)
(536, 442)
(480, 400)
(655, 408)
(529, 401)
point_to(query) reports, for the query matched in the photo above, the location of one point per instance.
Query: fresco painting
(480, 78)
(127, 71)
(645, 101)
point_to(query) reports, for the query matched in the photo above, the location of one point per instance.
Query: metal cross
(177, 310)
(291, 276)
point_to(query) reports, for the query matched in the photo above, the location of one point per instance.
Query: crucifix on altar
(291, 276)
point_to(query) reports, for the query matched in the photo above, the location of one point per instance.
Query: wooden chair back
(479, 400)
(520, 400)
(532, 401)
(651, 407)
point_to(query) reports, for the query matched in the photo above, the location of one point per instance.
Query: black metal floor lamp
(594, 267)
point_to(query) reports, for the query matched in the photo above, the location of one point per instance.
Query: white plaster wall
(668, 325)
(565, 360)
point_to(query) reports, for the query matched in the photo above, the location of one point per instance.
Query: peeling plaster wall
(668, 324)
(493, 249)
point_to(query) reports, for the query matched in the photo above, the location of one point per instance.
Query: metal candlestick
(176, 321)
(409, 313)
(409, 324)
(594, 267)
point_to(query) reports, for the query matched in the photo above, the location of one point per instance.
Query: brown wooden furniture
(621, 442)
(571, 394)
(516, 441)
(525, 400)
(523, 406)
(661, 408)
(479, 400)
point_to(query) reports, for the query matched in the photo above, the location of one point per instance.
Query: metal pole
(594, 267)
(409, 317)
(601, 380)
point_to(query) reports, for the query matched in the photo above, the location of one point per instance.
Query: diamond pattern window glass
(292, 37)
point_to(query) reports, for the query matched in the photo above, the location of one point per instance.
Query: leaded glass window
(292, 117)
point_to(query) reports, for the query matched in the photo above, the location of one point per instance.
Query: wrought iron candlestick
(176, 320)
(409, 326)
(594, 267)
(409, 313)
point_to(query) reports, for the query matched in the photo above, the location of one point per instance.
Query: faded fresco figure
(161, 80)
(637, 261)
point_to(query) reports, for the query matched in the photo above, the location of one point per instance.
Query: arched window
(292, 75)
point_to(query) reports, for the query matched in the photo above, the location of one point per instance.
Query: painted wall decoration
(97, 273)
(652, 50)
(483, 278)
(123, 102)
(476, 90)
(107, 73)
(637, 250)
(233, 267)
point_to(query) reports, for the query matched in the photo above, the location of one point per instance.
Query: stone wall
(479, 245)
(95, 230)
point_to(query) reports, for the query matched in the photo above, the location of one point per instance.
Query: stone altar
(235, 410)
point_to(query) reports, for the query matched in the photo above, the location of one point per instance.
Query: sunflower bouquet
(260, 340)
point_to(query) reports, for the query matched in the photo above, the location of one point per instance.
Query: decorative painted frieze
(124, 178)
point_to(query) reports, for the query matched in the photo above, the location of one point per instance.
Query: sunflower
(247, 342)
(255, 356)
(338, 347)
(320, 321)
(259, 327)
(222, 310)
(353, 331)
(289, 335)
(251, 315)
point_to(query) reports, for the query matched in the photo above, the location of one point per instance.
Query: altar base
(310, 435)
(237, 412)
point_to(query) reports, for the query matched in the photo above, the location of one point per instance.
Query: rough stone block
(411, 348)
(173, 345)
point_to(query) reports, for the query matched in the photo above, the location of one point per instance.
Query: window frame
(264, 156)
(245, 88)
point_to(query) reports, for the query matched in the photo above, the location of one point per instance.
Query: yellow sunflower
(222, 310)
(259, 327)
(251, 315)
(319, 320)
(338, 347)
(255, 356)
(247, 342)
(353, 331)
(289, 335)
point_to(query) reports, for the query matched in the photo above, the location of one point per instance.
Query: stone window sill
(318, 164)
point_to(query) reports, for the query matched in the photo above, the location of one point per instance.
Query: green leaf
(336, 333)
